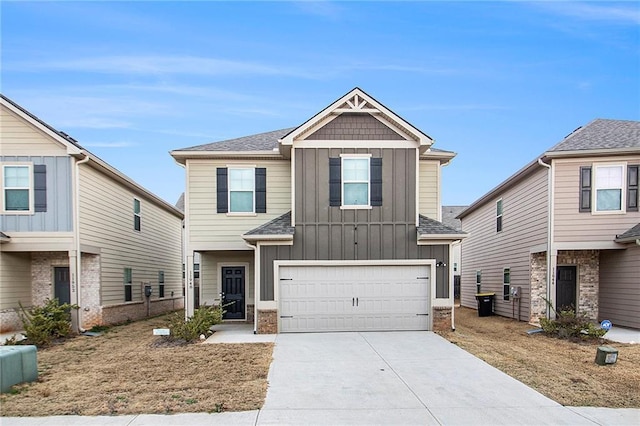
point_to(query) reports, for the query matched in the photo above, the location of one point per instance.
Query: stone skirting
(441, 318)
(267, 321)
(133, 311)
(42, 264)
(588, 266)
(10, 320)
(250, 313)
(538, 287)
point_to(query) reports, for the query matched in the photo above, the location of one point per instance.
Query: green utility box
(606, 355)
(18, 364)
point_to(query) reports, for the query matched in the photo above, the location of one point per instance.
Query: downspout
(549, 231)
(76, 228)
(256, 284)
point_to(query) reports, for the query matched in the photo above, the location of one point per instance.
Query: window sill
(242, 214)
(607, 212)
(356, 207)
(18, 212)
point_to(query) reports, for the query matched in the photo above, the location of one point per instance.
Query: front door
(233, 292)
(566, 288)
(61, 287)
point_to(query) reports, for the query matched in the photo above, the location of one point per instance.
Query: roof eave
(592, 152)
(182, 156)
(258, 237)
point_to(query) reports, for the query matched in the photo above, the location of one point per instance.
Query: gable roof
(267, 141)
(602, 134)
(599, 137)
(630, 235)
(76, 150)
(449, 216)
(277, 229)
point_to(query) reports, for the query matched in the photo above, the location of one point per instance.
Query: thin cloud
(109, 144)
(616, 14)
(324, 9)
(454, 107)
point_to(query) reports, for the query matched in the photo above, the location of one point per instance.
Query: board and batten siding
(620, 286)
(59, 214)
(428, 189)
(210, 266)
(209, 230)
(106, 222)
(572, 226)
(524, 226)
(15, 276)
(20, 138)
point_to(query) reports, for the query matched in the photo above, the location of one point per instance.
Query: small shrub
(569, 324)
(200, 323)
(43, 324)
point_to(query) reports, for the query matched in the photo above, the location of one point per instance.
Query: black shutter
(261, 190)
(585, 189)
(376, 181)
(632, 188)
(222, 189)
(335, 182)
(40, 188)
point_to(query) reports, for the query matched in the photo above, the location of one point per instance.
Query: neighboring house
(331, 225)
(75, 228)
(564, 228)
(450, 219)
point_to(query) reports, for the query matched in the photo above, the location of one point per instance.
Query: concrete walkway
(408, 378)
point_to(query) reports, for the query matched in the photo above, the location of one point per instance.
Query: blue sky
(496, 82)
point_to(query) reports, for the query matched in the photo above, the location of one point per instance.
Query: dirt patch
(563, 371)
(127, 370)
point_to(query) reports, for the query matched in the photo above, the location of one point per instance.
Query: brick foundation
(10, 320)
(134, 311)
(267, 321)
(538, 287)
(250, 313)
(42, 264)
(441, 318)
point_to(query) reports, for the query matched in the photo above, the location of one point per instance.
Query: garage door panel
(345, 298)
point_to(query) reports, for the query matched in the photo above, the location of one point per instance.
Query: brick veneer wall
(538, 287)
(91, 311)
(588, 263)
(133, 311)
(42, 264)
(267, 321)
(250, 313)
(441, 318)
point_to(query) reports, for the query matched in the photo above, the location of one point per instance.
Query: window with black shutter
(632, 187)
(355, 181)
(585, 189)
(241, 190)
(40, 188)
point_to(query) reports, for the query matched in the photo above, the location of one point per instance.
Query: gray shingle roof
(602, 134)
(630, 234)
(267, 141)
(3, 235)
(281, 225)
(428, 226)
(180, 203)
(449, 214)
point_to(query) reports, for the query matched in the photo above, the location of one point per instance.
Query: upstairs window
(499, 215)
(136, 214)
(355, 181)
(241, 190)
(16, 182)
(609, 186)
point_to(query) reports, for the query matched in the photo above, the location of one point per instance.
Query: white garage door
(354, 298)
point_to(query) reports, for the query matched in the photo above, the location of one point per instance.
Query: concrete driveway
(396, 378)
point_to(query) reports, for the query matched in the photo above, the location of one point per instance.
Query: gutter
(549, 229)
(76, 228)
(256, 285)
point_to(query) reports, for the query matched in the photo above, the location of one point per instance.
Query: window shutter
(261, 189)
(40, 187)
(585, 189)
(335, 182)
(632, 187)
(222, 189)
(376, 181)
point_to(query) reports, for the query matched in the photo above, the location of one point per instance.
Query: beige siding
(620, 286)
(523, 228)
(106, 222)
(210, 266)
(572, 226)
(15, 279)
(209, 229)
(20, 139)
(429, 187)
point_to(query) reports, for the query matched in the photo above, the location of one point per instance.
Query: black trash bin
(485, 304)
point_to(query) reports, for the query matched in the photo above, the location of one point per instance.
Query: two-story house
(75, 228)
(564, 229)
(329, 226)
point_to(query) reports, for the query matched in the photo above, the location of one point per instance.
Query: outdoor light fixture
(440, 264)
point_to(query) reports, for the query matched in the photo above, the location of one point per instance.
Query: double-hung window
(160, 283)
(137, 220)
(506, 283)
(609, 184)
(355, 181)
(499, 215)
(17, 187)
(241, 190)
(128, 280)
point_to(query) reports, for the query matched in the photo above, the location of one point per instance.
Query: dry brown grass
(124, 371)
(563, 371)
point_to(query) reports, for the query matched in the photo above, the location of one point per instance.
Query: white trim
(253, 189)
(439, 193)
(592, 152)
(417, 195)
(227, 264)
(293, 187)
(29, 166)
(623, 188)
(344, 157)
(267, 237)
(586, 245)
(321, 143)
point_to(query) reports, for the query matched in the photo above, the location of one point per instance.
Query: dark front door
(566, 288)
(233, 292)
(61, 287)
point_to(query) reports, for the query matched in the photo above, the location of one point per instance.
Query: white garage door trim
(365, 316)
